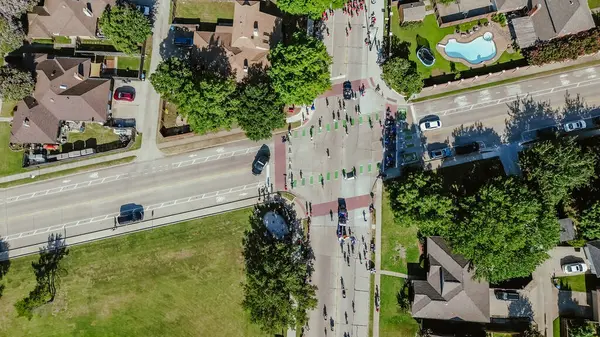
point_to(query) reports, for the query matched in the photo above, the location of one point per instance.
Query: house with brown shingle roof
(247, 41)
(449, 292)
(66, 18)
(63, 92)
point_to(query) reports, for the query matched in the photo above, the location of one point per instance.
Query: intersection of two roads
(220, 178)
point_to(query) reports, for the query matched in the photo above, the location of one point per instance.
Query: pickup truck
(130, 213)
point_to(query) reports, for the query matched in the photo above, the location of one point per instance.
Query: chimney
(26, 122)
(534, 10)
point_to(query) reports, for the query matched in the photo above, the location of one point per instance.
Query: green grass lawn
(393, 322)
(127, 62)
(179, 280)
(7, 108)
(583, 282)
(205, 10)
(395, 239)
(102, 134)
(42, 41)
(556, 327)
(594, 3)
(62, 39)
(429, 34)
(11, 162)
(148, 57)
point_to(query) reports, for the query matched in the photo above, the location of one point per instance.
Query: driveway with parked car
(127, 96)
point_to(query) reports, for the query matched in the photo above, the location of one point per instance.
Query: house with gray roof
(548, 19)
(592, 253)
(412, 11)
(450, 291)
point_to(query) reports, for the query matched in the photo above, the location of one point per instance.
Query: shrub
(568, 47)
(499, 18)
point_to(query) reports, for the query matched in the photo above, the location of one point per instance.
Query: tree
(584, 330)
(557, 167)
(277, 293)
(300, 71)
(532, 331)
(401, 74)
(170, 78)
(14, 8)
(419, 199)
(312, 8)
(589, 225)
(261, 110)
(11, 35)
(504, 230)
(15, 84)
(125, 26)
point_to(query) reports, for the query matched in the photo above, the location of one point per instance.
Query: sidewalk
(67, 166)
(504, 75)
(378, 196)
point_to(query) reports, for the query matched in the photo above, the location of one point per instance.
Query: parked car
(575, 125)
(261, 160)
(430, 125)
(347, 90)
(124, 96)
(469, 148)
(547, 132)
(440, 153)
(574, 268)
(504, 295)
(143, 9)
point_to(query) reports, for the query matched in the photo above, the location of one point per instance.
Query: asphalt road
(90, 201)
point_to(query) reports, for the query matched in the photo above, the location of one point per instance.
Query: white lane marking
(66, 181)
(124, 176)
(461, 101)
(110, 216)
(513, 89)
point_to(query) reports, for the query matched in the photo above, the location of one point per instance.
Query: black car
(348, 90)
(467, 148)
(548, 133)
(506, 295)
(261, 160)
(130, 213)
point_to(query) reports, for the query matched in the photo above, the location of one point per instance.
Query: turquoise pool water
(479, 50)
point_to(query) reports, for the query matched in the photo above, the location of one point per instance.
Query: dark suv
(347, 90)
(261, 160)
(468, 148)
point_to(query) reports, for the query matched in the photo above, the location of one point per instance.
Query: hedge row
(568, 47)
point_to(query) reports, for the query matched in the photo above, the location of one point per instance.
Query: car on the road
(504, 295)
(143, 9)
(260, 161)
(574, 268)
(575, 125)
(121, 95)
(440, 153)
(130, 213)
(347, 90)
(430, 125)
(469, 148)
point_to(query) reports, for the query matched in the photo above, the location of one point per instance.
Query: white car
(574, 268)
(143, 9)
(430, 125)
(576, 125)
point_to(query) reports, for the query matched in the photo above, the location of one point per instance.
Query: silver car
(430, 125)
(574, 268)
(576, 125)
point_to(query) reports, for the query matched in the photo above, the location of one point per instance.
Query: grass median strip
(52, 175)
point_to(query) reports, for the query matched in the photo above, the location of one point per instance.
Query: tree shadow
(525, 114)
(405, 296)
(48, 269)
(422, 42)
(520, 308)
(476, 132)
(4, 262)
(398, 48)
(576, 108)
(213, 58)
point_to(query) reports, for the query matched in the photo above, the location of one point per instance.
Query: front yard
(582, 283)
(429, 34)
(94, 134)
(12, 162)
(393, 321)
(205, 10)
(399, 244)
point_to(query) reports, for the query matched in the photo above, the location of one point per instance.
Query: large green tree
(504, 230)
(125, 26)
(171, 77)
(557, 167)
(11, 34)
(401, 74)
(261, 109)
(15, 84)
(277, 293)
(312, 8)
(589, 224)
(300, 70)
(419, 199)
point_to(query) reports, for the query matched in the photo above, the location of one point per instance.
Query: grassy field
(556, 327)
(62, 39)
(180, 280)
(429, 34)
(7, 108)
(583, 282)
(148, 57)
(205, 10)
(393, 322)
(130, 63)
(396, 240)
(94, 131)
(594, 3)
(11, 162)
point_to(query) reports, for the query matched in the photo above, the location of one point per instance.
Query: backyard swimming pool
(477, 51)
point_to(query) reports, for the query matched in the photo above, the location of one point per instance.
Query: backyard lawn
(205, 10)
(101, 134)
(399, 244)
(429, 34)
(7, 108)
(394, 322)
(582, 283)
(594, 3)
(179, 280)
(11, 162)
(128, 63)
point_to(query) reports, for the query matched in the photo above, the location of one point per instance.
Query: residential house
(592, 253)
(412, 11)
(247, 41)
(548, 19)
(449, 292)
(63, 92)
(567, 230)
(74, 18)
(462, 11)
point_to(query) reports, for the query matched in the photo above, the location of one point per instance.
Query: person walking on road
(327, 151)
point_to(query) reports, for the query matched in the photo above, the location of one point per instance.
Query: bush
(568, 47)
(411, 24)
(499, 18)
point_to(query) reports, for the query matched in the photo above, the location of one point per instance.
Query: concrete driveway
(124, 109)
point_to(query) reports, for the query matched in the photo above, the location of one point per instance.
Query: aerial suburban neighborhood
(346, 168)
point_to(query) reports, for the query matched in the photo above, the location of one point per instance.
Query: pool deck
(501, 39)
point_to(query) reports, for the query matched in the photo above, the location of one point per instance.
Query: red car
(124, 96)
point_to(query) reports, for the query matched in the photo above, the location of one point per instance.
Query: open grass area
(428, 35)
(11, 162)
(179, 280)
(128, 63)
(7, 108)
(42, 41)
(594, 3)
(205, 10)
(93, 131)
(399, 244)
(582, 282)
(148, 57)
(394, 322)
(62, 39)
